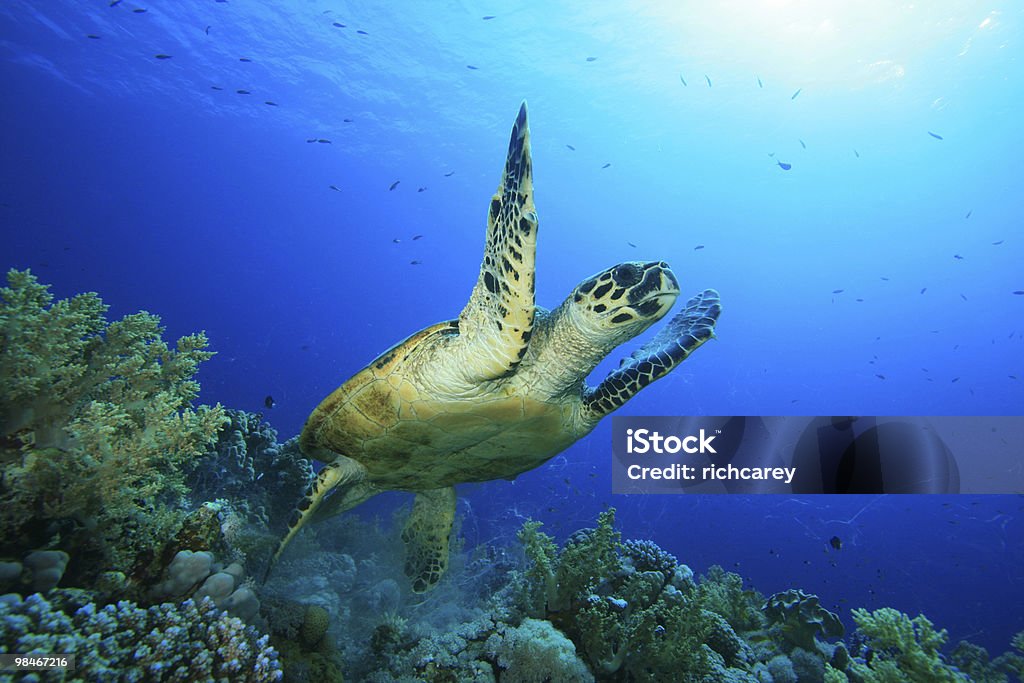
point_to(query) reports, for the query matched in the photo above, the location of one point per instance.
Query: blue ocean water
(846, 176)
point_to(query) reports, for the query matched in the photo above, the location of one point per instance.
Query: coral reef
(901, 648)
(801, 618)
(95, 428)
(124, 642)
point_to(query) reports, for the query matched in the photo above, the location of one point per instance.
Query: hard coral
(802, 617)
(95, 426)
(191, 641)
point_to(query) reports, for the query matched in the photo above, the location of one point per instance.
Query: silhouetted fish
(334, 23)
(836, 543)
(162, 56)
(449, 174)
(699, 246)
(935, 135)
(92, 35)
(207, 30)
(139, 10)
(708, 79)
(591, 59)
(631, 244)
(607, 165)
(838, 291)
(683, 80)
(924, 289)
(335, 188)
(885, 278)
(415, 263)
(488, 17)
(269, 401)
(996, 244)
(955, 379)
(759, 83)
(470, 66)
(417, 237)
(802, 143)
(963, 297)
(1019, 292)
(784, 166)
(272, 104)
(361, 32)
(421, 189)
(347, 120)
(571, 148)
(243, 92)
(969, 213)
(115, 3)
(394, 185)
(310, 139)
(880, 376)
(396, 240)
(856, 154)
(244, 59)
(216, 87)
(798, 91)
(324, 141)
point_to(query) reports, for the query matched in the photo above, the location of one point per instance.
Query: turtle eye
(626, 275)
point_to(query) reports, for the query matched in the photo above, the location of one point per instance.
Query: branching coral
(95, 426)
(903, 649)
(192, 641)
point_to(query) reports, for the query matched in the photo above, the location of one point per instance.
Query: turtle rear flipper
(690, 328)
(496, 324)
(426, 536)
(343, 471)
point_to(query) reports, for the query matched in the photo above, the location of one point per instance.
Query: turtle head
(621, 302)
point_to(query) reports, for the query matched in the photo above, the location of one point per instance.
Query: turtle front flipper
(343, 471)
(426, 536)
(496, 324)
(690, 328)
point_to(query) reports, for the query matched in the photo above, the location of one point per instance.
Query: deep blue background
(132, 177)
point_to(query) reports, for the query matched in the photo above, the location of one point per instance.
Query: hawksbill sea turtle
(499, 390)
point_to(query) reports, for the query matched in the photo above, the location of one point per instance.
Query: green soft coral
(95, 425)
(904, 649)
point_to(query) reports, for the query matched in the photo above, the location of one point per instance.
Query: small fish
(802, 143)
(607, 165)
(708, 79)
(955, 379)
(243, 92)
(324, 141)
(92, 35)
(417, 237)
(784, 166)
(415, 263)
(139, 11)
(347, 120)
(335, 188)
(216, 87)
(836, 542)
(337, 25)
(838, 291)
(488, 17)
(162, 56)
(856, 154)
(798, 91)
(571, 148)
(968, 214)
(396, 241)
(421, 189)
(207, 30)
(591, 59)
(114, 3)
(271, 103)
(935, 135)
(880, 376)
(885, 278)
(958, 257)
(924, 289)
(1019, 292)
(996, 244)
(394, 185)
(963, 297)
(759, 83)
(471, 67)
(269, 401)
(699, 246)
(631, 244)
(244, 59)
(310, 140)
(449, 174)
(362, 32)
(682, 80)
(860, 301)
